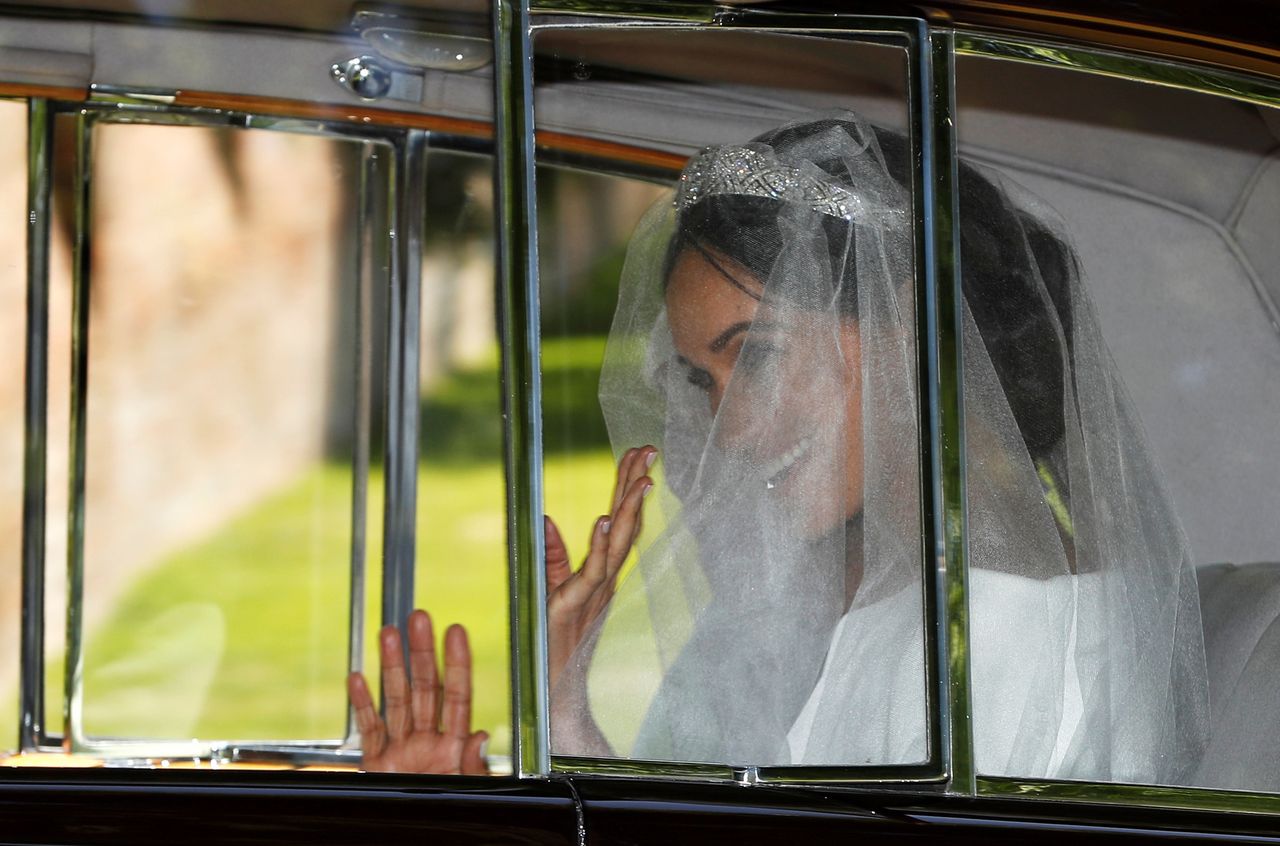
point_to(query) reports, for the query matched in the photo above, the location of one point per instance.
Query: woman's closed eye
(700, 378)
(755, 356)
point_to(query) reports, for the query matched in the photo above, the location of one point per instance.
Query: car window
(227, 567)
(248, 284)
(219, 432)
(764, 592)
(1138, 576)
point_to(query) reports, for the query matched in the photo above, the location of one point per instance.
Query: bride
(765, 347)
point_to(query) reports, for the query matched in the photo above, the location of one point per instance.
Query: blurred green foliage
(462, 420)
(585, 306)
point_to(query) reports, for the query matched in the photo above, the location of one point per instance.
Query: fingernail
(647, 488)
(484, 748)
(604, 526)
(648, 461)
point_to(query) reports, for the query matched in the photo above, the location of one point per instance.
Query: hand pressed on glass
(575, 599)
(428, 724)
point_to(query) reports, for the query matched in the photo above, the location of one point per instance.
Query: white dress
(874, 672)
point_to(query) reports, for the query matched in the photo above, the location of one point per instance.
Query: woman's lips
(777, 468)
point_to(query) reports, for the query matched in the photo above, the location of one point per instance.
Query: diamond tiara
(744, 171)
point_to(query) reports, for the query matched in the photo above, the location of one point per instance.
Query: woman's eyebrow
(722, 340)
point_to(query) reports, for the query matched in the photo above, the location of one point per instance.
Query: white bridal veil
(779, 578)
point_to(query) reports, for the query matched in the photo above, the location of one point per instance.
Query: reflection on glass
(13, 299)
(1137, 571)
(761, 337)
(462, 552)
(220, 434)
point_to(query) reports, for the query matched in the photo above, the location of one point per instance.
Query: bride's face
(794, 404)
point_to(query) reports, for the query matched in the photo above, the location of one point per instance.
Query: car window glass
(220, 438)
(1138, 574)
(723, 637)
(585, 221)
(462, 552)
(13, 299)
(58, 357)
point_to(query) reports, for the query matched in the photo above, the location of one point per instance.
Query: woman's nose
(733, 420)
(714, 397)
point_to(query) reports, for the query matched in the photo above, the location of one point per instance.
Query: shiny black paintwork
(115, 807)
(631, 813)
(158, 807)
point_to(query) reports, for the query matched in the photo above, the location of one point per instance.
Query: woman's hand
(575, 599)
(428, 725)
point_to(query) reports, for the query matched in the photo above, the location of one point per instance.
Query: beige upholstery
(1172, 200)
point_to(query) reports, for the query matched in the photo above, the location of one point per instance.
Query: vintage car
(303, 322)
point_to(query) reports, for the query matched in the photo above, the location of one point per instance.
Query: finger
(644, 494)
(373, 739)
(557, 554)
(395, 685)
(620, 483)
(424, 695)
(455, 721)
(473, 762)
(636, 467)
(594, 568)
(644, 497)
(626, 524)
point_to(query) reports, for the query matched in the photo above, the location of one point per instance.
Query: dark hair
(1005, 254)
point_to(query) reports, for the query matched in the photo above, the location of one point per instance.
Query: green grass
(243, 634)
(239, 636)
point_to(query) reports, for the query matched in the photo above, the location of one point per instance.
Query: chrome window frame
(940, 310)
(942, 500)
(1246, 88)
(31, 706)
(393, 164)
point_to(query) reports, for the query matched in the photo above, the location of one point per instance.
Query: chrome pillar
(372, 267)
(34, 465)
(522, 390)
(73, 736)
(943, 309)
(404, 320)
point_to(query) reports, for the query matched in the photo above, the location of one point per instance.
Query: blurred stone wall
(210, 354)
(217, 358)
(13, 204)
